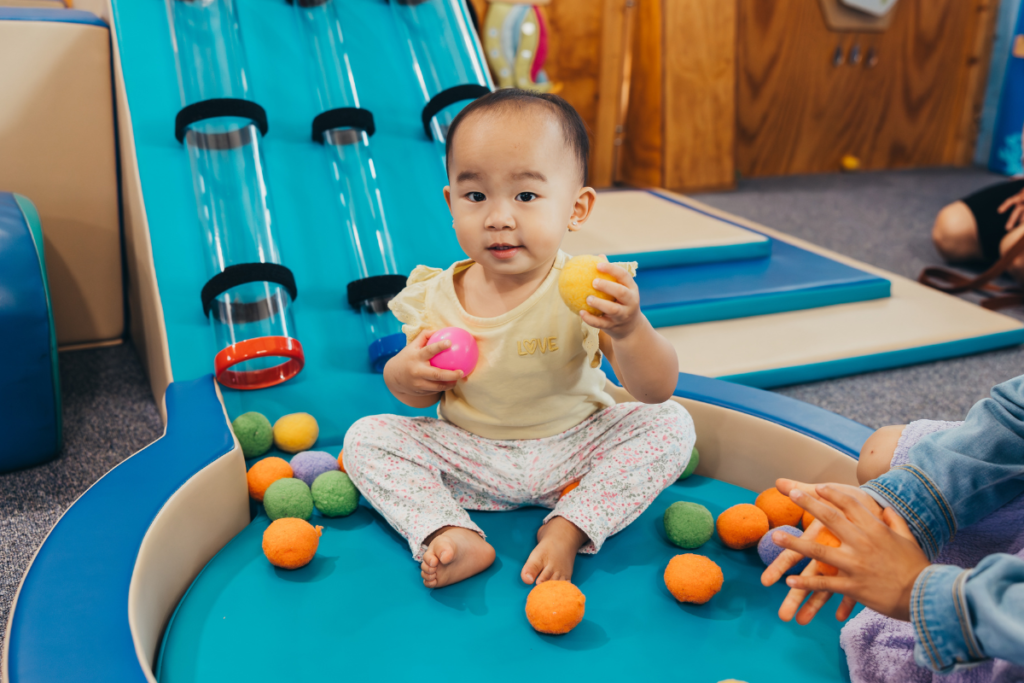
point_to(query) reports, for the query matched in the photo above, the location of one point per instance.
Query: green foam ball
(288, 498)
(254, 433)
(335, 495)
(688, 525)
(691, 466)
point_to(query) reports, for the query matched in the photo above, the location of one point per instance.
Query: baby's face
(514, 186)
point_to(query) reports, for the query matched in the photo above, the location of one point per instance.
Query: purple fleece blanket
(881, 650)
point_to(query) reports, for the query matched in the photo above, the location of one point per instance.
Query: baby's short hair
(573, 129)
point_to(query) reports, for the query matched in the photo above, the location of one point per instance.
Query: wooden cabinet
(908, 96)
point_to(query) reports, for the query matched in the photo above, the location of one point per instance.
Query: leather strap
(952, 282)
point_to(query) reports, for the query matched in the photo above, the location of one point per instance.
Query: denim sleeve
(963, 616)
(955, 477)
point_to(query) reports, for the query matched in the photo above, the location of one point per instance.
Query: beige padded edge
(210, 509)
(148, 330)
(634, 221)
(752, 453)
(913, 316)
(57, 149)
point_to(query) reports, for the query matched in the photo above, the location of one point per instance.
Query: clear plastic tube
(444, 53)
(252, 321)
(354, 174)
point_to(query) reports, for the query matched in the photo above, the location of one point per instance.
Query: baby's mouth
(504, 250)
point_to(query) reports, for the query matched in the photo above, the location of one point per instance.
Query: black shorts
(984, 204)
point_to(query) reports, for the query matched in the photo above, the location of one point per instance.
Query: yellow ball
(576, 283)
(296, 432)
(849, 163)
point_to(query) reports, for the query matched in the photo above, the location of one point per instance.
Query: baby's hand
(411, 373)
(620, 317)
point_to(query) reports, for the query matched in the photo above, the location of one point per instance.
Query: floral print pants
(422, 473)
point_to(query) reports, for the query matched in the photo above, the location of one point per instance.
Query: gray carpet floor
(880, 218)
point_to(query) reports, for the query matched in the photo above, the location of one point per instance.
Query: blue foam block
(358, 615)
(30, 413)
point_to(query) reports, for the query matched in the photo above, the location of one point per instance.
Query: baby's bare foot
(555, 554)
(453, 554)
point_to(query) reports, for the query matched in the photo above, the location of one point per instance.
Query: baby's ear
(448, 196)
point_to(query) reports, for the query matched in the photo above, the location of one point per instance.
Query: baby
(533, 416)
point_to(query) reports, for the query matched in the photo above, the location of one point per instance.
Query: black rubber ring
(342, 117)
(467, 91)
(244, 273)
(223, 106)
(374, 287)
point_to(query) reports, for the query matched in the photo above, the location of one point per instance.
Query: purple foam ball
(768, 550)
(308, 465)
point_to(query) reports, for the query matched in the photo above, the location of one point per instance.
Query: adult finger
(845, 608)
(788, 609)
(618, 272)
(787, 486)
(818, 583)
(847, 504)
(810, 548)
(1014, 218)
(824, 512)
(811, 608)
(786, 560)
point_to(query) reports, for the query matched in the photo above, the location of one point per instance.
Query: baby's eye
(526, 196)
(476, 196)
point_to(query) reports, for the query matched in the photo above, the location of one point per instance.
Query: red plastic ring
(259, 347)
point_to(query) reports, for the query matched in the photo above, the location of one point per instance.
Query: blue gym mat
(359, 611)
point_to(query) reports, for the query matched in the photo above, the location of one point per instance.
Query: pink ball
(461, 355)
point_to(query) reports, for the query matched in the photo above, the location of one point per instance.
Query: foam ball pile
(742, 526)
(290, 543)
(826, 537)
(693, 578)
(296, 432)
(780, 509)
(576, 283)
(806, 520)
(768, 550)
(308, 465)
(288, 498)
(335, 495)
(555, 607)
(341, 461)
(689, 525)
(264, 473)
(254, 434)
(691, 466)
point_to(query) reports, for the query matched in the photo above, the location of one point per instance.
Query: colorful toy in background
(516, 44)
(1002, 118)
(344, 129)
(249, 293)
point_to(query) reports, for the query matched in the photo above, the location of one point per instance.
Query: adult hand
(878, 559)
(788, 558)
(1016, 218)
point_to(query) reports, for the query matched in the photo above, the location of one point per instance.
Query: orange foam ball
(264, 473)
(806, 520)
(742, 526)
(555, 607)
(693, 578)
(291, 543)
(568, 488)
(341, 463)
(779, 508)
(826, 537)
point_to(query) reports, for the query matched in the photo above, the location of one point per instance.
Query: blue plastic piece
(70, 621)
(30, 418)
(384, 349)
(684, 257)
(1005, 154)
(62, 16)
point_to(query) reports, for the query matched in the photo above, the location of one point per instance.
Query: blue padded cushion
(29, 404)
(63, 16)
(70, 620)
